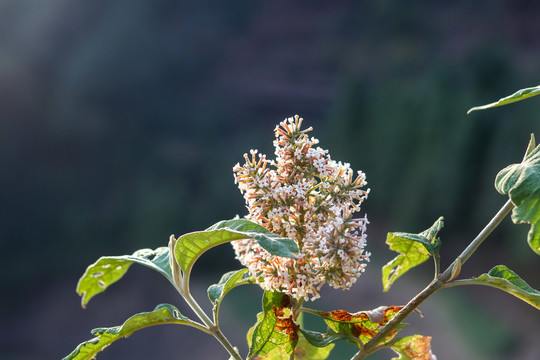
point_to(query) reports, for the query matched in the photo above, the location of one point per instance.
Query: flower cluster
(305, 196)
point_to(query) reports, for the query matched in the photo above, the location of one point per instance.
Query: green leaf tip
(162, 314)
(530, 147)
(413, 249)
(503, 278)
(521, 182)
(517, 96)
(109, 269)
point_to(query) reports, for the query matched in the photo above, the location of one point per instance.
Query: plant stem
(215, 330)
(435, 285)
(437, 262)
(181, 283)
(473, 246)
(466, 282)
(370, 346)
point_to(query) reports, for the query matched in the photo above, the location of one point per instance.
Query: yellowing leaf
(304, 350)
(275, 326)
(416, 347)
(362, 325)
(413, 249)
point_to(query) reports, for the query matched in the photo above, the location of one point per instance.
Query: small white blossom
(306, 196)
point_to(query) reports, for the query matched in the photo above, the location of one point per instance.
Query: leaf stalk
(181, 283)
(438, 283)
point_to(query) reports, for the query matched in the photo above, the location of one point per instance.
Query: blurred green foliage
(125, 130)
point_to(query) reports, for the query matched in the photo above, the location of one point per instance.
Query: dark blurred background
(120, 122)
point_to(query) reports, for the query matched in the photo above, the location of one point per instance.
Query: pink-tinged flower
(305, 196)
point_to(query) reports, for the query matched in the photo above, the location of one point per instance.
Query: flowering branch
(300, 234)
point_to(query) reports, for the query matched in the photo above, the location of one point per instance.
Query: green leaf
(162, 314)
(521, 182)
(321, 340)
(416, 347)
(517, 96)
(361, 326)
(109, 269)
(413, 249)
(505, 279)
(191, 246)
(304, 350)
(274, 327)
(230, 280)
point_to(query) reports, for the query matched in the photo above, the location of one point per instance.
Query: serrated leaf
(274, 327)
(521, 182)
(413, 249)
(517, 96)
(191, 246)
(304, 350)
(416, 347)
(228, 281)
(109, 269)
(162, 314)
(362, 325)
(505, 279)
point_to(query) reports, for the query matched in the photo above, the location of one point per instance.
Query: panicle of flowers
(305, 196)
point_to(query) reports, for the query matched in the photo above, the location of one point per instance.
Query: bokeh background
(120, 122)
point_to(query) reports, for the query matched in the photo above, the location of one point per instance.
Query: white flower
(308, 197)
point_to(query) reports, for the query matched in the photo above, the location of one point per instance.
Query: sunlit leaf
(362, 325)
(109, 269)
(191, 246)
(521, 182)
(274, 327)
(517, 96)
(413, 249)
(416, 347)
(304, 350)
(505, 279)
(162, 314)
(228, 281)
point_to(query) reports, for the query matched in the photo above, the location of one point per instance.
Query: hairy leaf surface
(109, 269)
(505, 279)
(413, 249)
(191, 246)
(162, 314)
(521, 182)
(230, 280)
